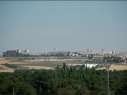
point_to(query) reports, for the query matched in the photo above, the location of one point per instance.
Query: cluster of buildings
(80, 53)
(87, 54)
(16, 53)
(76, 53)
(99, 51)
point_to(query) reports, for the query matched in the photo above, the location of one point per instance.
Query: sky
(63, 25)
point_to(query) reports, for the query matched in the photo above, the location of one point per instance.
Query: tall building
(16, 53)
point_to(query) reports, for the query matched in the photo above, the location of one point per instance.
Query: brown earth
(118, 67)
(6, 69)
(4, 61)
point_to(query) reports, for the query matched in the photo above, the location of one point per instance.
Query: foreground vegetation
(63, 81)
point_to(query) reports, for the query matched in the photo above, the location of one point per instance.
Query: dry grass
(39, 67)
(4, 61)
(45, 64)
(6, 69)
(118, 67)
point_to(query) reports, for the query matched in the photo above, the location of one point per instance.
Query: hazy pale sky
(63, 25)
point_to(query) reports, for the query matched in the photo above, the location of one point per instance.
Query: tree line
(63, 80)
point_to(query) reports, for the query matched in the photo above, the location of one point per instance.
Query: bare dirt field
(4, 61)
(6, 69)
(45, 64)
(39, 67)
(118, 67)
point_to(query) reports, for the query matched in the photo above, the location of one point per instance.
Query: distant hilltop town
(77, 53)
(25, 59)
(91, 54)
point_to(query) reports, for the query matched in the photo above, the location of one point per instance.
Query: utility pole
(108, 76)
(40, 89)
(13, 91)
(39, 83)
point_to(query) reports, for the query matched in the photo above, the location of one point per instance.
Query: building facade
(16, 53)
